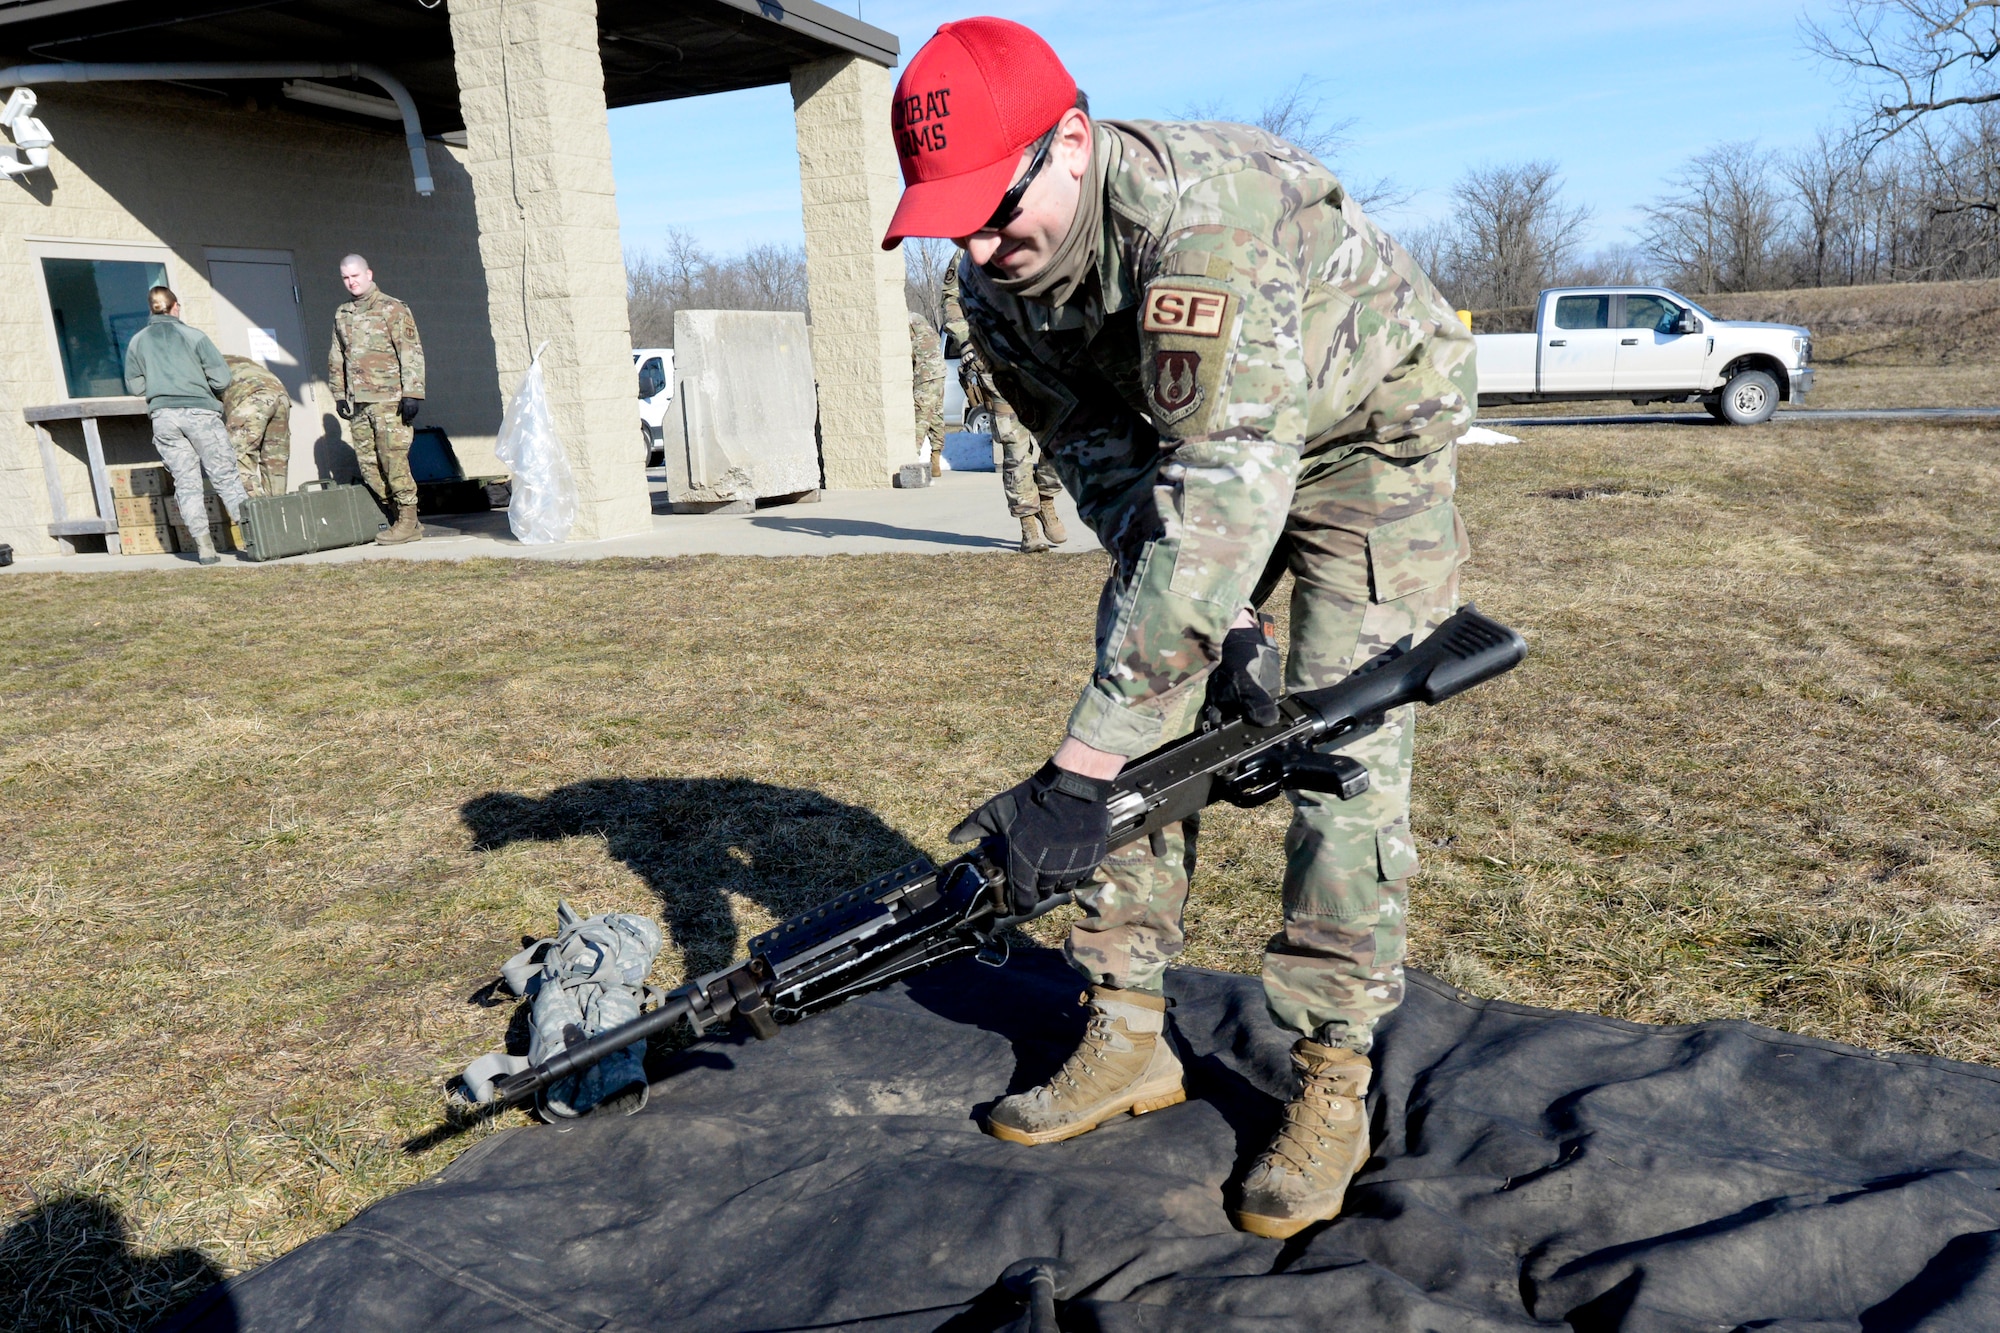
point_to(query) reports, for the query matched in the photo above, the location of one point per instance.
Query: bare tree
(1510, 235)
(1614, 265)
(1718, 229)
(1297, 114)
(684, 276)
(1821, 175)
(1914, 59)
(925, 259)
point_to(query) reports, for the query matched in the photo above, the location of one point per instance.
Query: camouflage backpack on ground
(589, 978)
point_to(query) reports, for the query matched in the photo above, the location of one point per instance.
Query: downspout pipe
(197, 70)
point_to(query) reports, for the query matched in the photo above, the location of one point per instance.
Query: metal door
(257, 315)
(1579, 346)
(1650, 354)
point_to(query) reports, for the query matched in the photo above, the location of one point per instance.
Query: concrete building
(263, 142)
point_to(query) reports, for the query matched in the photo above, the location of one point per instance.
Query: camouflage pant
(1028, 476)
(382, 447)
(1363, 543)
(930, 414)
(191, 440)
(260, 431)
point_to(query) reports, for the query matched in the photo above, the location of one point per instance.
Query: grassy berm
(265, 835)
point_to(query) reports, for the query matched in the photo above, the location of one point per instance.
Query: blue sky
(1618, 93)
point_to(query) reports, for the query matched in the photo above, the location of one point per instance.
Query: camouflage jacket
(248, 379)
(926, 352)
(980, 390)
(1241, 314)
(376, 355)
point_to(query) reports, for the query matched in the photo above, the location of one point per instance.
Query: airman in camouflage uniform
(376, 370)
(927, 380)
(1026, 473)
(1239, 376)
(258, 412)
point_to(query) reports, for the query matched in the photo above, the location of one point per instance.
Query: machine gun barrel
(916, 917)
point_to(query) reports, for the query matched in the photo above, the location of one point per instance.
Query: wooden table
(87, 411)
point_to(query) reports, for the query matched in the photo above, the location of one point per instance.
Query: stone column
(539, 151)
(860, 332)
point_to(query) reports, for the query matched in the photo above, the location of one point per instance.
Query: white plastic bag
(544, 505)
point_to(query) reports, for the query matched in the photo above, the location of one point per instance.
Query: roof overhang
(652, 50)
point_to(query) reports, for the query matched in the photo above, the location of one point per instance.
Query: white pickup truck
(656, 391)
(1648, 345)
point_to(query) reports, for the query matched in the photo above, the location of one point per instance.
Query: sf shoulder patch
(1186, 329)
(1196, 312)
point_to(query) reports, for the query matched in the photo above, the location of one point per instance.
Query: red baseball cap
(979, 92)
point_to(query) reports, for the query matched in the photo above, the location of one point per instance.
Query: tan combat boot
(1051, 524)
(405, 529)
(1032, 540)
(937, 460)
(1302, 1177)
(204, 546)
(1125, 1066)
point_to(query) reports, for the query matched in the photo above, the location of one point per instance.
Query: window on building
(98, 304)
(1583, 312)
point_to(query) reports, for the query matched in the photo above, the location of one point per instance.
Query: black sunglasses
(1010, 202)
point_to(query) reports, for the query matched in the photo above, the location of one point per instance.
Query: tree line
(682, 275)
(1906, 190)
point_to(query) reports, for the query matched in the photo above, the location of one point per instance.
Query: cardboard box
(136, 479)
(146, 539)
(220, 532)
(145, 511)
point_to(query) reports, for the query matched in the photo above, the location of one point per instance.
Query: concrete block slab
(741, 425)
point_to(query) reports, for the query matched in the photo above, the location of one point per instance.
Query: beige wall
(154, 166)
(532, 89)
(861, 327)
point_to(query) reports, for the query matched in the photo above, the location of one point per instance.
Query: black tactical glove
(343, 409)
(1245, 682)
(408, 408)
(1048, 833)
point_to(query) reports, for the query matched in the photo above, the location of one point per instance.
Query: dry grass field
(266, 836)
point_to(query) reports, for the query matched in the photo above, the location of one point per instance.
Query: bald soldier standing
(1026, 473)
(1238, 375)
(376, 370)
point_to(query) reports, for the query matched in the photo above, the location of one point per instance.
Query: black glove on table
(408, 408)
(1245, 682)
(1051, 832)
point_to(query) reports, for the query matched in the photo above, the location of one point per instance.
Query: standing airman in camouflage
(376, 370)
(1027, 474)
(927, 382)
(1239, 375)
(258, 412)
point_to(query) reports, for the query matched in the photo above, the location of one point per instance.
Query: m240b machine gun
(914, 918)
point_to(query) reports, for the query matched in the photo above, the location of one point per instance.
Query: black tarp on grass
(1532, 1170)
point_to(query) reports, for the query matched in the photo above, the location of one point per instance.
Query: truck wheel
(979, 421)
(1749, 398)
(1713, 406)
(653, 454)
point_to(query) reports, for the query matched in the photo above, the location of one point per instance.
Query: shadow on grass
(860, 527)
(70, 1264)
(696, 841)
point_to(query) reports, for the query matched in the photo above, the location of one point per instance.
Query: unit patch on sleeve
(1196, 313)
(1187, 326)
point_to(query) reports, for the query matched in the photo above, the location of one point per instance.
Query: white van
(656, 391)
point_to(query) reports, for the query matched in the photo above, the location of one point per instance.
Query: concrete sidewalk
(959, 512)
